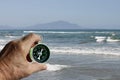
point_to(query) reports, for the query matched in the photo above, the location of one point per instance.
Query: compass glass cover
(41, 53)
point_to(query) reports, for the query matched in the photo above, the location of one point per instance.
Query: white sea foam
(104, 32)
(1, 47)
(55, 67)
(73, 32)
(86, 51)
(11, 36)
(3, 42)
(105, 39)
(109, 39)
(60, 32)
(100, 38)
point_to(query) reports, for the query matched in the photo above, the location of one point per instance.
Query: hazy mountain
(51, 25)
(55, 25)
(58, 25)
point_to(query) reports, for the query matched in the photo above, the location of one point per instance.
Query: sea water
(75, 54)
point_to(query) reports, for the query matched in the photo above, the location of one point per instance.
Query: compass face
(41, 53)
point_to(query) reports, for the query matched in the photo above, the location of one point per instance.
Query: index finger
(29, 41)
(31, 38)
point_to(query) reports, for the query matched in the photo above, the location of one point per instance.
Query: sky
(90, 13)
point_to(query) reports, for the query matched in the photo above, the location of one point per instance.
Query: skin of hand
(13, 58)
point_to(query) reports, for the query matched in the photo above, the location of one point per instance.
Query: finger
(35, 67)
(29, 41)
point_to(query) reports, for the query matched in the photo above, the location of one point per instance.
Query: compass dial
(40, 53)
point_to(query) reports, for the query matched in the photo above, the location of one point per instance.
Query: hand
(14, 58)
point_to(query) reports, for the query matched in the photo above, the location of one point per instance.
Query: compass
(40, 53)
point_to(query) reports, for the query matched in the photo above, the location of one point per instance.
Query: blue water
(76, 54)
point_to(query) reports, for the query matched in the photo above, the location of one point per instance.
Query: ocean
(75, 54)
